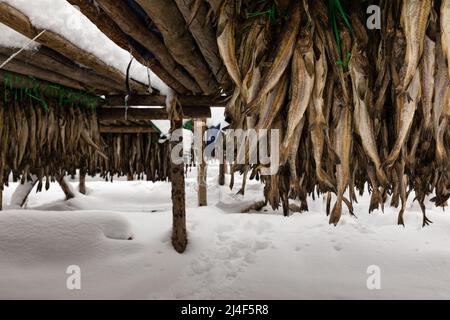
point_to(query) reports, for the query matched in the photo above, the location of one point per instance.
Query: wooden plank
(22, 24)
(18, 66)
(110, 28)
(159, 100)
(147, 114)
(19, 81)
(205, 37)
(127, 129)
(133, 27)
(48, 59)
(169, 21)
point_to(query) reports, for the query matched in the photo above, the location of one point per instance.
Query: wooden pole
(18, 21)
(145, 114)
(199, 131)
(127, 129)
(51, 60)
(160, 100)
(82, 185)
(22, 192)
(222, 164)
(179, 233)
(111, 29)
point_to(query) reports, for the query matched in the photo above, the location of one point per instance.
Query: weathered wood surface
(205, 37)
(134, 28)
(22, 24)
(110, 28)
(179, 233)
(126, 129)
(147, 114)
(25, 69)
(48, 59)
(159, 100)
(180, 43)
(200, 130)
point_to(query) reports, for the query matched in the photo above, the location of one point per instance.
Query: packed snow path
(119, 236)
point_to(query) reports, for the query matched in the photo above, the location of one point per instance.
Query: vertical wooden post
(222, 164)
(179, 233)
(82, 185)
(199, 131)
(1, 185)
(20, 195)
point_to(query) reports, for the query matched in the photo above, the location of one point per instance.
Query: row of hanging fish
(46, 140)
(140, 155)
(356, 107)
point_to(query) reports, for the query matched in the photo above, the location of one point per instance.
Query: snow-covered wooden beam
(51, 60)
(205, 37)
(137, 30)
(169, 21)
(25, 69)
(18, 21)
(110, 28)
(159, 100)
(19, 81)
(127, 129)
(147, 114)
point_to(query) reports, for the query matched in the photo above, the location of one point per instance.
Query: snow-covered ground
(230, 255)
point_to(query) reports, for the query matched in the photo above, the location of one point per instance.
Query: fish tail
(375, 200)
(336, 213)
(328, 203)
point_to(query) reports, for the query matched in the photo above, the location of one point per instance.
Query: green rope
(335, 8)
(64, 96)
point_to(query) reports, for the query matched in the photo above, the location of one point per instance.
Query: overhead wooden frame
(148, 114)
(18, 21)
(110, 28)
(159, 100)
(181, 44)
(51, 60)
(127, 129)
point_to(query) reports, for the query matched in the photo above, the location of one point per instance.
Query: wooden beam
(82, 184)
(20, 67)
(20, 195)
(127, 129)
(169, 21)
(133, 27)
(147, 114)
(22, 24)
(205, 37)
(179, 233)
(159, 100)
(48, 59)
(19, 81)
(110, 28)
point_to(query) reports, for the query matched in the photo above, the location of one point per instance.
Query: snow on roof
(12, 39)
(62, 18)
